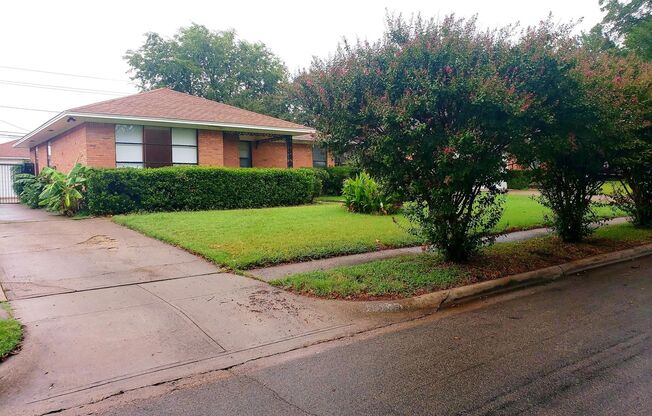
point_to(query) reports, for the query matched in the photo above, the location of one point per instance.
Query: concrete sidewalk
(283, 270)
(107, 309)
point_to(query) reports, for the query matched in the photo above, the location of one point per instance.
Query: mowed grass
(242, 239)
(421, 273)
(11, 333)
(252, 237)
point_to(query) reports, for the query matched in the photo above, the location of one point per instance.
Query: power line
(12, 124)
(15, 68)
(62, 88)
(11, 133)
(29, 109)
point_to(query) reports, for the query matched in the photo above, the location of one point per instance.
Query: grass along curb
(418, 274)
(462, 294)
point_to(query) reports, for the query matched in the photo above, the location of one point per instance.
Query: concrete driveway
(107, 310)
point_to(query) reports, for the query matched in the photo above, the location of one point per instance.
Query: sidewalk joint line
(179, 310)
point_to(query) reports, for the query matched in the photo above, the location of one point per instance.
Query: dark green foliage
(519, 179)
(430, 110)
(637, 201)
(214, 65)
(568, 194)
(579, 117)
(25, 167)
(114, 191)
(333, 178)
(362, 194)
(629, 23)
(28, 188)
(63, 193)
(457, 238)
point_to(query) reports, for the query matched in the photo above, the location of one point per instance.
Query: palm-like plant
(63, 193)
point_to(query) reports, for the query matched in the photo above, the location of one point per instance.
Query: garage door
(7, 194)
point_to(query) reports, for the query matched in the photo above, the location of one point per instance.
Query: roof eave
(103, 118)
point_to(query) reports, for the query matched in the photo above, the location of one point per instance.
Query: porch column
(288, 145)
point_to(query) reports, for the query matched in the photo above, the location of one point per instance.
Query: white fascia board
(90, 117)
(194, 124)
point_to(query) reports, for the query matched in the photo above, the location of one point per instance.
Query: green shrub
(28, 188)
(63, 193)
(333, 178)
(519, 179)
(362, 194)
(116, 191)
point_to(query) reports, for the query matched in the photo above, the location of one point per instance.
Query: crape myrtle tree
(575, 122)
(430, 110)
(631, 80)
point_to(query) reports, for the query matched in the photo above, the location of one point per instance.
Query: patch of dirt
(537, 254)
(100, 241)
(264, 301)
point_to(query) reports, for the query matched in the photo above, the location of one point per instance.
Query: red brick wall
(100, 145)
(210, 147)
(269, 155)
(274, 155)
(231, 152)
(68, 149)
(302, 155)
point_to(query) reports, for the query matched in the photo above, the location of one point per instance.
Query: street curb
(450, 297)
(3, 296)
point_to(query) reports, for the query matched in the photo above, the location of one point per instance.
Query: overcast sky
(90, 38)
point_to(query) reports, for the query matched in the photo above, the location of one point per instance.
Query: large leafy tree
(633, 98)
(430, 110)
(578, 120)
(628, 23)
(214, 65)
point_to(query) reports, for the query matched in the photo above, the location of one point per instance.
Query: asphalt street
(581, 346)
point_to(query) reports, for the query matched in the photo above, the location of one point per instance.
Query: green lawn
(242, 239)
(411, 275)
(11, 332)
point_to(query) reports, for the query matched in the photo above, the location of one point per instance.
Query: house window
(319, 157)
(184, 146)
(152, 147)
(129, 146)
(49, 153)
(245, 154)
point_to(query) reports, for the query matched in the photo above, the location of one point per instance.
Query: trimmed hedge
(333, 178)
(118, 191)
(519, 179)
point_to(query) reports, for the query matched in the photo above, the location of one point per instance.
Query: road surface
(578, 347)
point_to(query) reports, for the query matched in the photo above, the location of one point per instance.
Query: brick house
(163, 127)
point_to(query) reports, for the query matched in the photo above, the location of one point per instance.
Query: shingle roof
(7, 150)
(169, 104)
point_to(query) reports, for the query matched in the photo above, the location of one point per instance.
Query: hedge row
(519, 179)
(333, 178)
(117, 191)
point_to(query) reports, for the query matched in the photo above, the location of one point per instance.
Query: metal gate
(7, 194)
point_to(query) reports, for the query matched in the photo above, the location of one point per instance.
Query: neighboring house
(10, 155)
(163, 127)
